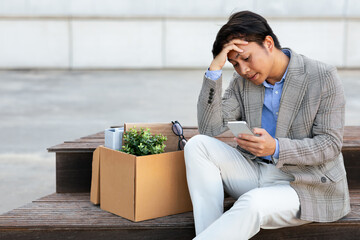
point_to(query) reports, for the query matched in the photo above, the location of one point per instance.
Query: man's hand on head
(220, 60)
(261, 145)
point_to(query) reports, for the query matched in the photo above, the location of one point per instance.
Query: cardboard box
(140, 187)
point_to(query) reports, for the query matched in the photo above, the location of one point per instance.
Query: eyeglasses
(178, 130)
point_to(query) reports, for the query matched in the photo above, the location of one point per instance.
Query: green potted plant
(141, 143)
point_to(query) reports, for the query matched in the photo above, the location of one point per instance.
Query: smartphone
(239, 127)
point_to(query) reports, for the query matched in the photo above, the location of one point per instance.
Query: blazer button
(323, 179)
(209, 101)
(211, 89)
(211, 93)
(210, 97)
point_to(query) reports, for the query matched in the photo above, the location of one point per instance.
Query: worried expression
(254, 64)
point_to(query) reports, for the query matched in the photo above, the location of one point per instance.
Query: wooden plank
(351, 140)
(352, 166)
(73, 169)
(65, 197)
(74, 217)
(74, 147)
(99, 233)
(351, 145)
(58, 209)
(324, 231)
(90, 146)
(73, 172)
(351, 130)
(297, 233)
(81, 214)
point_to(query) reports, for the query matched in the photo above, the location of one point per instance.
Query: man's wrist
(211, 68)
(214, 67)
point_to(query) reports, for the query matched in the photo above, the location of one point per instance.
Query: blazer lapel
(253, 103)
(292, 94)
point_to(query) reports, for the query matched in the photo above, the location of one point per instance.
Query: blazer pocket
(335, 174)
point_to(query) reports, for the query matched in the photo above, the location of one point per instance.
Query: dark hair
(245, 25)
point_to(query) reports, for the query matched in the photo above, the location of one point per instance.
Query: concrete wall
(116, 34)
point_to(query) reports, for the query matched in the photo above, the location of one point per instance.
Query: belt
(266, 161)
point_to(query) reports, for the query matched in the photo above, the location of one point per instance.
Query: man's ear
(269, 43)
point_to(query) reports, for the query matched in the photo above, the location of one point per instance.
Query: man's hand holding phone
(260, 143)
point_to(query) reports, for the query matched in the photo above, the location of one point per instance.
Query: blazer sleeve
(213, 110)
(327, 129)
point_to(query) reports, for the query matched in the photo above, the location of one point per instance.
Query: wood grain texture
(72, 216)
(73, 172)
(90, 142)
(73, 158)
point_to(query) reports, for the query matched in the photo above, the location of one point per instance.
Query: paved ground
(39, 109)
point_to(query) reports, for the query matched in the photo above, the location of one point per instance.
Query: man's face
(254, 64)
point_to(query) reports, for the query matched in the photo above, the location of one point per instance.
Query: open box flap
(157, 128)
(95, 178)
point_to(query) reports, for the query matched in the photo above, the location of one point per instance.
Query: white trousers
(264, 196)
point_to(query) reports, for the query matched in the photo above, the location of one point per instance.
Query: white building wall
(118, 34)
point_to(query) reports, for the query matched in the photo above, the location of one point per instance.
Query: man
(292, 172)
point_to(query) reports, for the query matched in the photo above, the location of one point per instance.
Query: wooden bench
(68, 214)
(74, 158)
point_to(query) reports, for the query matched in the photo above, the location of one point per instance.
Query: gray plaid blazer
(309, 129)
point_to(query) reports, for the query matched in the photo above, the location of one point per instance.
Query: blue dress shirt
(271, 105)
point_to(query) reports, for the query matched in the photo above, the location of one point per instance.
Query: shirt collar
(287, 52)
